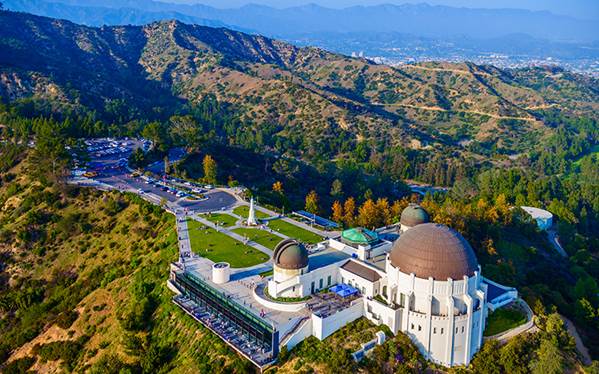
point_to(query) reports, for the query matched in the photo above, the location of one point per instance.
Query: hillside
(303, 92)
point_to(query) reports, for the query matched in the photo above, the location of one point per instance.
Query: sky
(586, 9)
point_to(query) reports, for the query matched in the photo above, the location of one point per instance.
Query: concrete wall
(283, 307)
(304, 332)
(323, 327)
(380, 313)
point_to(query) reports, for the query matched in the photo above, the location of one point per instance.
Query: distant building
(543, 218)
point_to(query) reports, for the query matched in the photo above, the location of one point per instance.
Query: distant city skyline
(584, 9)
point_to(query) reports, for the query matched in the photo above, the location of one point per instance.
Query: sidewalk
(234, 235)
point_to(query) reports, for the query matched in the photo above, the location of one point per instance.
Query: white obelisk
(252, 216)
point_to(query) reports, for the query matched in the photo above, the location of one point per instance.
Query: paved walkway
(553, 238)
(324, 234)
(227, 231)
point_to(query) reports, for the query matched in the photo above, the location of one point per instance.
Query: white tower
(252, 215)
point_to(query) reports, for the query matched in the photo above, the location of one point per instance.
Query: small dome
(413, 215)
(433, 250)
(290, 254)
(360, 235)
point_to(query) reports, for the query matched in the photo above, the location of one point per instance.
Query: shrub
(19, 366)
(66, 319)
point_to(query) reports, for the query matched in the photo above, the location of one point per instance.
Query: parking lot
(107, 167)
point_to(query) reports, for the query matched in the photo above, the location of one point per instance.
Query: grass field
(221, 218)
(222, 247)
(244, 210)
(260, 236)
(502, 320)
(294, 231)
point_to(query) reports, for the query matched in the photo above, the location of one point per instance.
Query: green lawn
(502, 320)
(222, 248)
(244, 211)
(260, 236)
(222, 219)
(294, 231)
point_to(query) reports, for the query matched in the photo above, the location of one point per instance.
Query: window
(320, 283)
(434, 330)
(456, 330)
(402, 300)
(441, 330)
(419, 328)
(462, 329)
(329, 280)
(412, 326)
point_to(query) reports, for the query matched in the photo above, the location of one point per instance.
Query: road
(553, 238)
(112, 176)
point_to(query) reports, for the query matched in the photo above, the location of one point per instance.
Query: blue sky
(588, 9)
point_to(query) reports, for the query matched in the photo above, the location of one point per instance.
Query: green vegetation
(333, 355)
(221, 219)
(294, 231)
(259, 236)
(551, 350)
(93, 264)
(266, 273)
(219, 247)
(244, 211)
(85, 273)
(503, 319)
(286, 299)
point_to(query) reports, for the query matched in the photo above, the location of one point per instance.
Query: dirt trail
(438, 109)
(458, 71)
(580, 347)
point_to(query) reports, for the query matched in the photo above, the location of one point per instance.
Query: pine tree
(312, 202)
(367, 214)
(349, 211)
(337, 189)
(210, 168)
(337, 212)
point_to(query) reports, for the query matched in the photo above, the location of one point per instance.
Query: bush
(19, 366)
(66, 319)
(66, 350)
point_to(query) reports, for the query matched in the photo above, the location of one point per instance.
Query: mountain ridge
(302, 91)
(420, 19)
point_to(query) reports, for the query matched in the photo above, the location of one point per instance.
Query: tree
(337, 189)
(278, 187)
(231, 182)
(367, 214)
(349, 211)
(210, 168)
(312, 202)
(167, 168)
(184, 131)
(549, 359)
(337, 212)
(384, 216)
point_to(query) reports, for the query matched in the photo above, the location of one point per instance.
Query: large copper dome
(433, 250)
(289, 254)
(413, 215)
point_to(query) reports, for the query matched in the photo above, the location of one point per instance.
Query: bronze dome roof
(290, 254)
(433, 250)
(413, 215)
